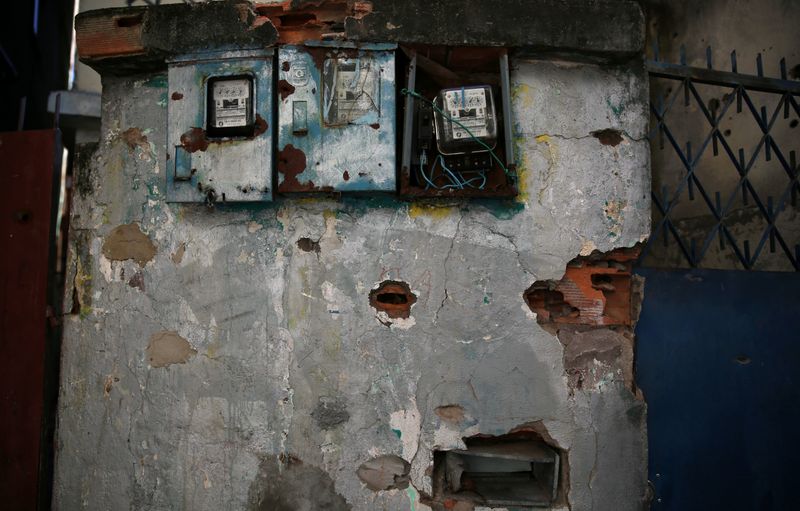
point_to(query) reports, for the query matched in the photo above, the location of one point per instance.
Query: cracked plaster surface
(277, 328)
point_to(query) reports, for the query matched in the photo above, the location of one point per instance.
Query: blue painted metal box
(231, 160)
(337, 118)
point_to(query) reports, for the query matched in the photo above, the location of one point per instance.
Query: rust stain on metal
(375, 125)
(261, 126)
(394, 298)
(134, 138)
(608, 136)
(194, 140)
(285, 66)
(285, 89)
(291, 163)
(177, 96)
(346, 176)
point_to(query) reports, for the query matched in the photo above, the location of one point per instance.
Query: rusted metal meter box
(336, 116)
(218, 137)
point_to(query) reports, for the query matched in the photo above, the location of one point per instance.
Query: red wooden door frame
(30, 170)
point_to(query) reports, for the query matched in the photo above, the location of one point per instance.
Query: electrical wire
(452, 176)
(417, 95)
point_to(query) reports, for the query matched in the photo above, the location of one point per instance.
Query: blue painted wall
(718, 359)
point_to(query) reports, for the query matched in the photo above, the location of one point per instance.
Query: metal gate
(718, 348)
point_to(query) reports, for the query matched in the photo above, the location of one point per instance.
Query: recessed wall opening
(548, 303)
(394, 298)
(617, 304)
(129, 21)
(509, 471)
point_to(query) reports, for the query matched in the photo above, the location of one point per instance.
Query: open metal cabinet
(457, 138)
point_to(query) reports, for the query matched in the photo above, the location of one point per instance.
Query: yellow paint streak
(416, 210)
(523, 170)
(329, 215)
(552, 150)
(522, 93)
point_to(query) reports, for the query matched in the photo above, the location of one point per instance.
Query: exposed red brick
(595, 290)
(100, 34)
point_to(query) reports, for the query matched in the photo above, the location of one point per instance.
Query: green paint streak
(412, 497)
(616, 109)
(502, 209)
(398, 433)
(485, 299)
(157, 81)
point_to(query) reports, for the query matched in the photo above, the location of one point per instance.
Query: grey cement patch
(129, 242)
(330, 412)
(167, 348)
(291, 485)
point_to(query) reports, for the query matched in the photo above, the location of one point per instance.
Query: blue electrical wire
(417, 95)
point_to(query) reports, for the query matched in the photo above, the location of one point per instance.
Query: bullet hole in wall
(394, 298)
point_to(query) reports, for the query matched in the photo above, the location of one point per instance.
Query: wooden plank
(30, 162)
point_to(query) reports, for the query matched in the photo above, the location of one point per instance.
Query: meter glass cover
(231, 102)
(469, 115)
(351, 91)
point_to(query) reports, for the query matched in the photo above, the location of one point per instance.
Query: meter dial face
(231, 102)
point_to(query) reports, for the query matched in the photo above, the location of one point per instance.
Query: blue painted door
(718, 359)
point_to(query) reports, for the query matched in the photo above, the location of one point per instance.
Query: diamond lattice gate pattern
(725, 175)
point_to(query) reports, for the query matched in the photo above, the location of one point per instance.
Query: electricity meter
(230, 106)
(219, 126)
(469, 117)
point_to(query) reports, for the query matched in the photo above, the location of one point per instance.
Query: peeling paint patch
(133, 138)
(409, 424)
(387, 472)
(177, 256)
(167, 348)
(450, 413)
(127, 241)
(614, 214)
(587, 248)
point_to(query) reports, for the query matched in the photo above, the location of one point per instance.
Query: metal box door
(209, 166)
(337, 118)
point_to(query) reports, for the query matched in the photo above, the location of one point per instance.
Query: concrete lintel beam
(139, 39)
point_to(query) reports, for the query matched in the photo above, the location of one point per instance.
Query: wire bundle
(454, 180)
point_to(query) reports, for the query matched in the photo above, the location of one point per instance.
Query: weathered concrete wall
(217, 359)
